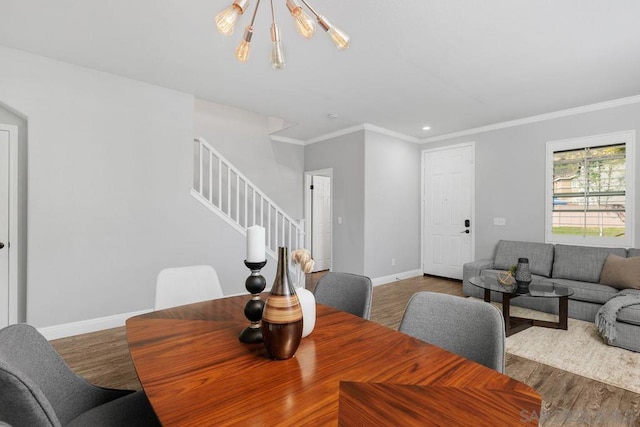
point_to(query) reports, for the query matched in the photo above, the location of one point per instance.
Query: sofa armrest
(472, 269)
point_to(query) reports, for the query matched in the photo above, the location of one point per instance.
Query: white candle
(255, 244)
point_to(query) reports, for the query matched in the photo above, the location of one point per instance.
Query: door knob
(465, 231)
(1, 245)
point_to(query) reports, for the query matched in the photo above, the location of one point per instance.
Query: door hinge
(311, 187)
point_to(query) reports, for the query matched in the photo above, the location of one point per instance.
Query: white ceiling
(451, 64)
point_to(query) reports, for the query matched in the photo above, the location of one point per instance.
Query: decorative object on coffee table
(523, 275)
(506, 278)
(282, 315)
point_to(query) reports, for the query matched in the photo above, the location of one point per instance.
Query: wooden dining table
(349, 371)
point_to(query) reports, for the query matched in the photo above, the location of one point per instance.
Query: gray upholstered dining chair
(37, 388)
(472, 329)
(347, 292)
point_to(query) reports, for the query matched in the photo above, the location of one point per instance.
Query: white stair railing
(222, 188)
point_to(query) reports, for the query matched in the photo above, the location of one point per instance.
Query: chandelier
(305, 25)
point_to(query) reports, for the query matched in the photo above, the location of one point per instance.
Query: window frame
(626, 137)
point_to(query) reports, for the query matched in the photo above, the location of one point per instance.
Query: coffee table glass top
(537, 288)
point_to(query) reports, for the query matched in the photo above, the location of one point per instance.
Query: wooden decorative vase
(282, 315)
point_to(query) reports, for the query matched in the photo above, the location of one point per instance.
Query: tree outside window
(589, 190)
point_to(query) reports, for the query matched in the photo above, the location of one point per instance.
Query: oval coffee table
(537, 289)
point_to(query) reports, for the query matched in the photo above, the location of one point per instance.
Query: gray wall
(510, 172)
(345, 154)
(392, 205)
(277, 168)
(376, 191)
(110, 170)
(10, 118)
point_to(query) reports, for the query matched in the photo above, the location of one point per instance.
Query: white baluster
(200, 167)
(210, 176)
(229, 191)
(219, 183)
(238, 198)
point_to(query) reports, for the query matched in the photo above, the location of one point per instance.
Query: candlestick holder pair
(255, 284)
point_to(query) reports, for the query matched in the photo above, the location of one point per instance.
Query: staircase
(218, 185)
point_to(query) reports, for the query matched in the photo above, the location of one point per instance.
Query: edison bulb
(242, 52)
(226, 20)
(277, 55)
(339, 37)
(305, 25)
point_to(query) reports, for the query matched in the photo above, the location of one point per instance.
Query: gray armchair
(347, 292)
(472, 329)
(37, 388)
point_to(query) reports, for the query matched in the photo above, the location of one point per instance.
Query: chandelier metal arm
(255, 11)
(311, 8)
(248, 32)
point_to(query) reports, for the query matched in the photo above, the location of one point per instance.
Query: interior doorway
(318, 215)
(8, 225)
(448, 241)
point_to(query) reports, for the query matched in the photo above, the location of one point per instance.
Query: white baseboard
(86, 326)
(395, 277)
(93, 325)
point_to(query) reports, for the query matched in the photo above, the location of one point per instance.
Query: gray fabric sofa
(577, 267)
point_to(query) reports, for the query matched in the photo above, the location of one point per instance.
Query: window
(590, 190)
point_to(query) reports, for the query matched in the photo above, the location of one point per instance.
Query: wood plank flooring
(569, 399)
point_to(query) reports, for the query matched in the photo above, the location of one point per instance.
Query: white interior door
(4, 228)
(321, 222)
(447, 199)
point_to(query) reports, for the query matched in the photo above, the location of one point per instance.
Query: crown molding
(363, 126)
(503, 125)
(341, 132)
(388, 132)
(287, 140)
(539, 118)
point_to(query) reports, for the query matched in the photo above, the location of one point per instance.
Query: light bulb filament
(227, 18)
(304, 23)
(277, 54)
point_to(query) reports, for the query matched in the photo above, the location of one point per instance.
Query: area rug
(579, 350)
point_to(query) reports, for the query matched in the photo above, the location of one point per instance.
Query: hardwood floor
(568, 399)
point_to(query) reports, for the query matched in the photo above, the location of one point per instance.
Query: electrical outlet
(499, 221)
(393, 261)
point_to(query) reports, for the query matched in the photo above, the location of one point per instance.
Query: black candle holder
(255, 284)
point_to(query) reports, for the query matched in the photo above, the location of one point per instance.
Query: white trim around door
(12, 245)
(308, 217)
(471, 193)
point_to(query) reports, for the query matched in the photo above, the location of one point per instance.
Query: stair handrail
(295, 226)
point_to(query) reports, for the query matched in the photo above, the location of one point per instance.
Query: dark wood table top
(195, 371)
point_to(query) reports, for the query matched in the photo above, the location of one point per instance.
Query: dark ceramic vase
(523, 275)
(282, 316)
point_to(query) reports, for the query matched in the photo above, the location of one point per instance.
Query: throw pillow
(621, 272)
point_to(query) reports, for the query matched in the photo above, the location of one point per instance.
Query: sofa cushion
(583, 263)
(630, 314)
(633, 252)
(587, 291)
(621, 273)
(540, 256)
